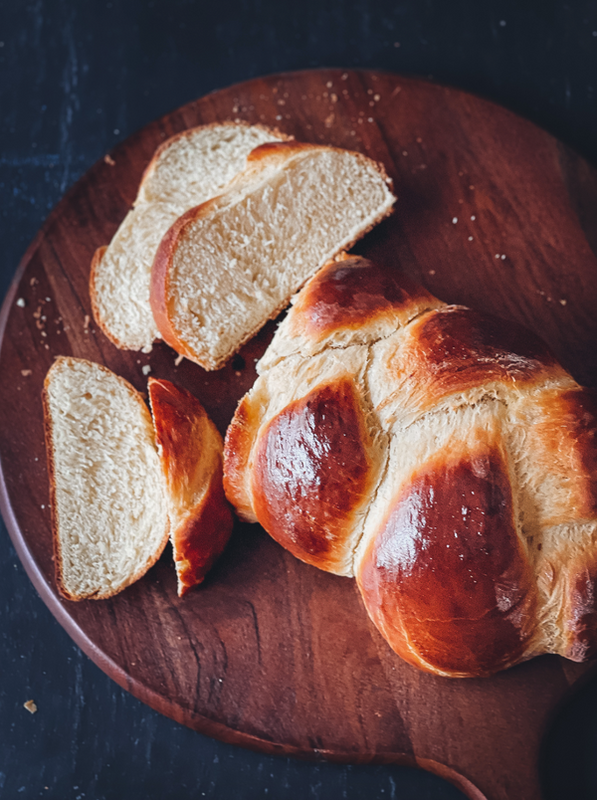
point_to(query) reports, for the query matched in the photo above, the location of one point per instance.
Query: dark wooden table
(75, 78)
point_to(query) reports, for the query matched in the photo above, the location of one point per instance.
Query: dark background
(77, 76)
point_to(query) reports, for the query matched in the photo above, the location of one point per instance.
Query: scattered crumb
(146, 369)
(563, 302)
(48, 299)
(396, 90)
(334, 97)
(86, 322)
(237, 373)
(42, 507)
(30, 706)
(344, 76)
(503, 256)
(33, 281)
(21, 302)
(377, 97)
(454, 220)
(405, 152)
(471, 187)
(470, 238)
(329, 120)
(419, 140)
(369, 119)
(473, 218)
(497, 255)
(432, 272)
(178, 360)
(26, 372)
(109, 160)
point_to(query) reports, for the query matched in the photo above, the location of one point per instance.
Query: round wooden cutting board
(270, 653)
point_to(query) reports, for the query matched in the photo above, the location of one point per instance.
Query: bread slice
(186, 170)
(110, 515)
(227, 266)
(191, 454)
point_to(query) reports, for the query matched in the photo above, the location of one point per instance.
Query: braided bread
(440, 456)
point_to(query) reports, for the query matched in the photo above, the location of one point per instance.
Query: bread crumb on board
(30, 706)
(146, 369)
(21, 302)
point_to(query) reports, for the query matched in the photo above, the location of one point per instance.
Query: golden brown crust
(238, 445)
(52, 475)
(190, 450)
(350, 292)
(446, 578)
(313, 472)
(160, 282)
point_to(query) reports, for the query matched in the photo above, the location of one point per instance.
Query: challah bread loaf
(110, 515)
(227, 266)
(441, 456)
(190, 449)
(186, 170)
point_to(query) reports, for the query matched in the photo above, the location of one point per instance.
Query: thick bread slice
(227, 266)
(109, 509)
(186, 170)
(191, 454)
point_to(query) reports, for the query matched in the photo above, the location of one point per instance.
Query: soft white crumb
(21, 302)
(473, 218)
(146, 369)
(26, 372)
(454, 220)
(470, 238)
(178, 360)
(563, 302)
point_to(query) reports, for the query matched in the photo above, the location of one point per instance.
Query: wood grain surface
(270, 653)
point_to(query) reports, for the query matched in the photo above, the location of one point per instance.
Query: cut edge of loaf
(187, 133)
(140, 331)
(265, 156)
(49, 426)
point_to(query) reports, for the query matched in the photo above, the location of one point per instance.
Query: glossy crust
(48, 430)
(266, 156)
(474, 523)
(351, 292)
(313, 473)
(190, 451)
(446, 578)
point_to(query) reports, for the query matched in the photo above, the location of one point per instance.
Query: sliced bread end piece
(191, 454)
(109, 510)
(227, 266)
